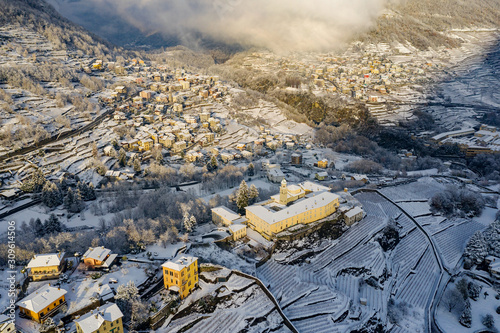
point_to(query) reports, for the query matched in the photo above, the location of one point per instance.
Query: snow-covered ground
(448, 321)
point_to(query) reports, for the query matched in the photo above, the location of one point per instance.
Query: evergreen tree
(488, 321)
(463, 288)
(122, 157)
(73, 201)
(87, 191)
(125, 296)
(52, 225)
(242, 197)
(492, 238)
(51, 195)
(34, 183)
(37, 227)
(466, 317)
(251, 170)
(253, 194)
(136, 165)
(69, 199)
(192, 221)
(212, 165)
(476, 249)
(91, 192)
(187, 223)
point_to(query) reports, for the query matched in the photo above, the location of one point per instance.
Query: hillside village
(190, 217)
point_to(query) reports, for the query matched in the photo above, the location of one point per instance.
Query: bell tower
(283, 193)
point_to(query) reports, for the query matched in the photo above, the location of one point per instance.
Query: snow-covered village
(166, 190)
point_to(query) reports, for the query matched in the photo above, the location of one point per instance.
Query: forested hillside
(41, 17)
(426, 23)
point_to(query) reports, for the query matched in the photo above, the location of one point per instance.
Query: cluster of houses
(364, 76)
(180, 276)
(486, 140)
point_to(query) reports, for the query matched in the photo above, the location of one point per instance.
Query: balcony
(52, 312)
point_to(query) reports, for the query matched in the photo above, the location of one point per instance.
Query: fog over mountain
(280, 25)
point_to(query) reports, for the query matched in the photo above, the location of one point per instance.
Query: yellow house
(43, 303)
(7, 324)
(46, 266)
(323, 164)
(179, 146)
(167, 140)
(106, 319)
(321, 175)
(238, 231)
(146, 144)
(181, 274)
(98, 257)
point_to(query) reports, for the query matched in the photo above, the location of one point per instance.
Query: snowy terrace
(243, 306)
(312, 293)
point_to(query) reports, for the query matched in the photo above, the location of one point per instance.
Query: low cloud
(280, 25)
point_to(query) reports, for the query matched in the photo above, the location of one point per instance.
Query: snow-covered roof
(180, 262)
(269, 216)
(313, 187)
(453, 133)
(46, 260)
(92, 321)
(226, 213)
(41, 298)
(97, 253)
(236, 227)
(276, 172)
(353, 212)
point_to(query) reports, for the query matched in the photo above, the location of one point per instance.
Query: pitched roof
(180, 262)
(93, 320)
(46, 260)
(41, 298)
(353, 212)
(97, 253)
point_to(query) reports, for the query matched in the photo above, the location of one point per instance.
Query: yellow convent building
(181, 274)
(296, 204)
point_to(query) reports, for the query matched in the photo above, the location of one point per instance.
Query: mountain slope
(41, 17)
(426, 23)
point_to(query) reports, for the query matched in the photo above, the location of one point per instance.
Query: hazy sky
(284, 25)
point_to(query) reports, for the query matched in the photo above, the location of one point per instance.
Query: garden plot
(319, 302)
(418, 287)
(405, 257)
(416, 209)
(357, 234)
(451, 241)
(431, 223)
(423, 189)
